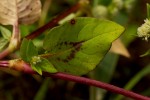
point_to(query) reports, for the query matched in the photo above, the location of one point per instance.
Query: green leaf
(36, 68)
(29, 53)
(105, 70)
(43, 65)
(147, 53)
(77, 46)
(3, 43)
(28, 50)
(23, 49)
(5, 33)
(31, 50)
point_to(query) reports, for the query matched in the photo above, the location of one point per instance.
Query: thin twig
(4, 63)
(4, 53)
(45, 9)
(53, 22)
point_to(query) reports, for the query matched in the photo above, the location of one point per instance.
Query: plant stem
(45, 9)
(148, 11)
(4, 63)
(53, 22)
(4, 53)
(99, 84)
(14, 41)
(46, 55)
(22, 66)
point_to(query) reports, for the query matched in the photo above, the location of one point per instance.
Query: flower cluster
(100, 11)
(144, 30)
(36, 59)
(129, 4)
(118, 3)
(115, 6)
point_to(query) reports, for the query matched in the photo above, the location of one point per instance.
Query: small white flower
(115, 6)
(118, 3)
(129, 4)
(36, 59)
(144, 30)
(100, 11)
(114, 11)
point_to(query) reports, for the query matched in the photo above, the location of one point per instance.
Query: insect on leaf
(77, 46)
(22, 11)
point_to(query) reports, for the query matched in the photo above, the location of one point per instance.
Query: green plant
(75, 47)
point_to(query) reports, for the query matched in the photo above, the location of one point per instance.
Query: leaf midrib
(71, 48)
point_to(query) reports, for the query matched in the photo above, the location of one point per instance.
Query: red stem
(4, 53)
(53, 22)
(99, 84)
(22, 66)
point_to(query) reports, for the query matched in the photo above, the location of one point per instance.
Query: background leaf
(22, 11)
(147, 53)
(3, 43)
(79, 45)
(103, 72)
(5, 33)
(23, 49)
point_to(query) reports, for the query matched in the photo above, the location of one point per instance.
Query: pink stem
(27, 69)
(99, 84)
(5, 53)
(4, 63)
(12, 45)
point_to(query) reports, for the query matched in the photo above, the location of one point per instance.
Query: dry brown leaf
(119, 48)
(22, 11)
